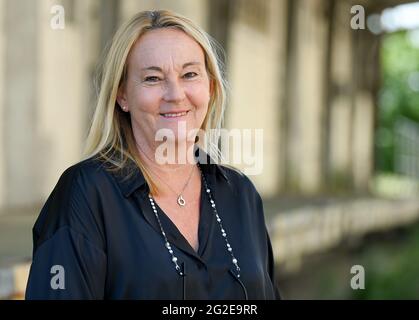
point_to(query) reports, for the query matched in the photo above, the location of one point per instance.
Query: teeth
(174, 115)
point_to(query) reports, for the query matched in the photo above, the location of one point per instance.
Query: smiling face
(167, 84)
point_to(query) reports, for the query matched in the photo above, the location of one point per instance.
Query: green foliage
(391, 271)
(400, 66)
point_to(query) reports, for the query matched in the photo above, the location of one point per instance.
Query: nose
(174, 91)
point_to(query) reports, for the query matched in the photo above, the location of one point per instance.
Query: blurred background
(334, 87)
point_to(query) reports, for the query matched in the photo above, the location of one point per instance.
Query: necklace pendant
(181, 201)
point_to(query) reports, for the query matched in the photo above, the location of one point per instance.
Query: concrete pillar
(2, 107)
(306, 100)
(195, 10)
(43, 101)
(363, 139)
(62, 87)
(256, 66)
(20, 115)
(366, 50)
(88, 13)
(341, 100)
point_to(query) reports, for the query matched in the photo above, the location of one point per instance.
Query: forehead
(161, 47)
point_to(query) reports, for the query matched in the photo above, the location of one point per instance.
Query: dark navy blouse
(98, 227)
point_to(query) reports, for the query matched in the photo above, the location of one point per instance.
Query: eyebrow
(154, 68)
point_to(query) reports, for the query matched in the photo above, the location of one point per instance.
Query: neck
(171, 179)
(167, 159)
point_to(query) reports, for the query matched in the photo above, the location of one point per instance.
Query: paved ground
(16, 236)
(16, 225)
(15, 250)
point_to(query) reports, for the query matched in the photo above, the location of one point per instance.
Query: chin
(176, 132)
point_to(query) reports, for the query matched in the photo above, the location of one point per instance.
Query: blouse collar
(130, 178)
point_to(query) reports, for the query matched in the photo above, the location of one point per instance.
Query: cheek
(145, 99)
(199, 96)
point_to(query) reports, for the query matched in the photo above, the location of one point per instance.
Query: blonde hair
(110, 137)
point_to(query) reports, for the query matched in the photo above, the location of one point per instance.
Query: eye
(190, 75)
(152, 79)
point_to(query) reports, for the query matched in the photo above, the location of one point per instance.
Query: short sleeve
(67, 266)
(69, 257)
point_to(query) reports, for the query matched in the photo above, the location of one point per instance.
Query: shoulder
(239, 181)
(249, 202)
(72, 203)
(81, 185)
(76, 179)
(87, 178)
(83, 171)
(244, 190)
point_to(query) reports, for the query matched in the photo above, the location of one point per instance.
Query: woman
(126, 223)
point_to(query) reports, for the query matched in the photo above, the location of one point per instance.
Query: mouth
(174, 114)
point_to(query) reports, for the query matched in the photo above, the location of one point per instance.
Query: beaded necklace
(223, 232)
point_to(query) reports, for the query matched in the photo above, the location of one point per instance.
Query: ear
(121, 98)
